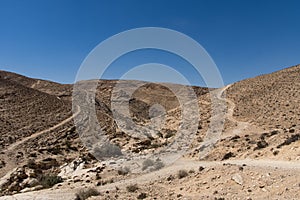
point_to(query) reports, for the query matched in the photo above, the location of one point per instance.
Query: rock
(14, 187)
(6, 180)
(30, 172)
(2, 164)
(170, 178)
(238, 179)
(179, 195)
(29, 182)
(228, 155)
(201, 169)
(72, 169)
(26, 190)
(48, 163)
(20, 173)
(38, 187)
(77, 180)
(261, 144)
(142, 196)
(292, 130)
(146, 142)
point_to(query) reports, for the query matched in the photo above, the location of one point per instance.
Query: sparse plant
(49, 180)
(55, 150)
(154, 165)
(182, 173)
(107, 150)
(147, 163)
(159, 164)
(132, 188)
(86, 193)
(31, 164)
(123, 171)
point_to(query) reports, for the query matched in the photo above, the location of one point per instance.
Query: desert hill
(37, 129)
(270, 101)
(266, 109)
(49, 87)
(25, 111)
(257, 155)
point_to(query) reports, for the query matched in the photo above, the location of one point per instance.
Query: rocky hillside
(256, 156)
(60, 90)
(37, 131)
(270, 101)
(267, 110)
(25, 111)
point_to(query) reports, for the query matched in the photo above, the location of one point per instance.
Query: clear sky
(49, 39)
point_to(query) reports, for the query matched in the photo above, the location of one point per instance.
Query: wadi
(45, 153)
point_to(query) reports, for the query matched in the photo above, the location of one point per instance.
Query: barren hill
(267, 107)
(37, 128)
(257, 155)
(25, 111)
(270, 101)
(49, 87)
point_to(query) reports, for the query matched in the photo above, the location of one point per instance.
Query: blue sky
(49, 39)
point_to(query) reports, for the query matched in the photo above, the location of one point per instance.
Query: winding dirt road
(239, 125)
(14, 145)
(183, 163)
(10, 165)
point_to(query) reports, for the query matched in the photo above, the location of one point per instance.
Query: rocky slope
(256, 157)
(269, 101)
(37, 131)
(268, 104)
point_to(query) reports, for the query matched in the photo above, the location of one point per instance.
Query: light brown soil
(257, 156)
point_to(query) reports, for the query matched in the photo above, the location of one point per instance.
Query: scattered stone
(261, 144)
(238, 179)
(228, 155)
(29, 182)
(201, 169)
(142, 196)
(170, 178)
(290, 140)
